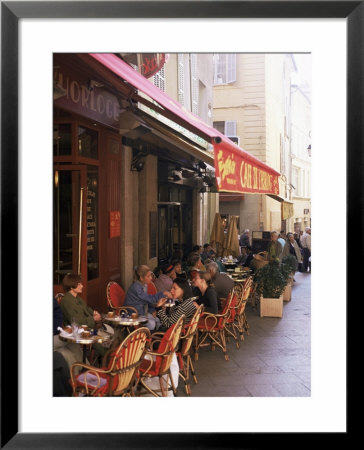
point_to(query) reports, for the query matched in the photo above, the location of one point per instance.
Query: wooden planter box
(287, 293)
(271, 307)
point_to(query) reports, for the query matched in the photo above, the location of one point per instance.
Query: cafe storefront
(87, 199)
(117, 199)
(131, 168)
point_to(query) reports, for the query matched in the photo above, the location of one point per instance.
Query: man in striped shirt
(184, 304)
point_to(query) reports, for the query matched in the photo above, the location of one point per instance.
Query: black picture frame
(11, 12)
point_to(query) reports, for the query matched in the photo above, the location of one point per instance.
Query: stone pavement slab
(274, 360)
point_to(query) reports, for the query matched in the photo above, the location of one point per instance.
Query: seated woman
(143, 302)
(182, 293)
(71, 352)
(74, 309)
(180, 273)
(165, 279)
(208, 296)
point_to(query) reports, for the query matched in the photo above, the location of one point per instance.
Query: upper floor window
(224, 68)
(296, 181)
(159, 79)
(194, 84)
(228, 128)
(181, 78)
(87, 142)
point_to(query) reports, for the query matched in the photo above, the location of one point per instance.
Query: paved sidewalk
(273, 361)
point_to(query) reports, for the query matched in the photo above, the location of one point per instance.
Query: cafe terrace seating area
(143, 363)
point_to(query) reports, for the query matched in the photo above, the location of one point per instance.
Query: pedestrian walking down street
(297, 239)
(274, 248)
(306, 246)
(282, 238)
(291, 248)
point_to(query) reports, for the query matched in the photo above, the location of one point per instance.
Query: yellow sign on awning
(287, 210)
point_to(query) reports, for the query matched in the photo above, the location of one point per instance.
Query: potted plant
(270, 282)
(289, 267)
(291, 262)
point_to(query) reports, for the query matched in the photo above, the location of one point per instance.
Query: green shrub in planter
(271, 279)
(291, 262)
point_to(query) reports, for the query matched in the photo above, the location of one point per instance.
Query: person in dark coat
(221, 281)
(61, 376)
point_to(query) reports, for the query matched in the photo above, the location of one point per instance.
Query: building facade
(254, 107)
(301, 157)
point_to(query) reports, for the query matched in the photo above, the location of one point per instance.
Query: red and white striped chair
(115, 295)
(117, 378)
(158, 363)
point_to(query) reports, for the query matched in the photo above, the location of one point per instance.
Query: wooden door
(69, 224)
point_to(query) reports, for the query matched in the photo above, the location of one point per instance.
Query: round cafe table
(86, 341)
(239, 276)
(118, 321)
(230, 264)
(122, 324)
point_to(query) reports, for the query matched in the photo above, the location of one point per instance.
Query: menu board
(114, 223)
(91, 222)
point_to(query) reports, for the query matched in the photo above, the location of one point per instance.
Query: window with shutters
(219, 126)
(194, 85)
(283, 156)
(296, 181)
(224, 68)
(159, 79)
(181, 79)
(228, 128)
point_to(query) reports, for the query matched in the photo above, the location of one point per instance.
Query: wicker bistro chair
(59, 297)
(240, 324)
(151, 289)
(212, 327)
(115, 295)
(183, 354)
(158, 363)
(229, 327)
(119, 377)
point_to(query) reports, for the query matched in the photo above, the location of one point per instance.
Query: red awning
(236, 170)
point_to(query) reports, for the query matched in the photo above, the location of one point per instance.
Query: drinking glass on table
(74, 326)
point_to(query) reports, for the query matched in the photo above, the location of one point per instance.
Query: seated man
(222, 282)
(249, 257)
(244, 241)
(207, 253)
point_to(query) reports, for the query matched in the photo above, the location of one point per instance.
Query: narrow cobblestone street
(274, 360)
